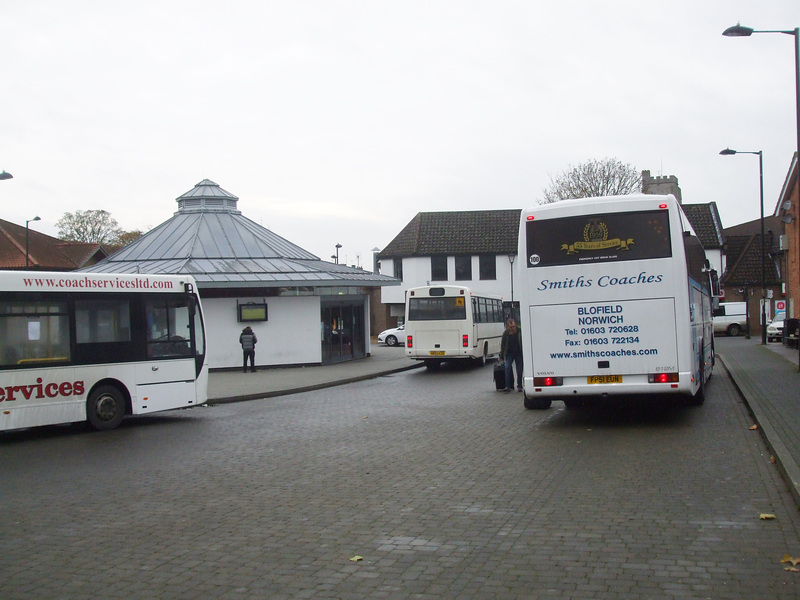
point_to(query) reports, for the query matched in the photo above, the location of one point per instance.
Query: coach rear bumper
(579, 386)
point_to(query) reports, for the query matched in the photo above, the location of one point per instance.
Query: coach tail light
(465, 341)
(548, 381)
(410, 341)
(663, 378)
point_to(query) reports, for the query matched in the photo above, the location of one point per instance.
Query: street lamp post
(729, 152)
(27, 229)
(740, 31)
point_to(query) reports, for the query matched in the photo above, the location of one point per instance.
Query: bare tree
(126, 237)
(94, 226)
(606, 177)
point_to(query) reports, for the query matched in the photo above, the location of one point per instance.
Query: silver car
(775, 330)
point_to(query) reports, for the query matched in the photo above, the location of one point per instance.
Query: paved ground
(767, 376)
(444, 488)
(769, 380)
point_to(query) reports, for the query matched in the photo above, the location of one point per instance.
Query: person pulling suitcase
(511, 352)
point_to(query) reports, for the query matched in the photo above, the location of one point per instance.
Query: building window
(463, 268)
(488, 266)
(438, 268)
(398, 268)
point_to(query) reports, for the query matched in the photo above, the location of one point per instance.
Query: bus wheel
(536, 403)
(105, 408)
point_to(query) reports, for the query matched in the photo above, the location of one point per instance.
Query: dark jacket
(511, 343)
(248, 339)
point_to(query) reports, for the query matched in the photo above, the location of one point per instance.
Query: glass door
(342, 329)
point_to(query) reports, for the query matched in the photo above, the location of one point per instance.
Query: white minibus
(449, 322)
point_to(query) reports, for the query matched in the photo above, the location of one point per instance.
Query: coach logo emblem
(595, 237)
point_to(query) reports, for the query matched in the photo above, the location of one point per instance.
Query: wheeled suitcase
(500, 376)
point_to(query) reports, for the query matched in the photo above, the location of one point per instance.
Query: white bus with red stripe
(96, 347)
(616, 295)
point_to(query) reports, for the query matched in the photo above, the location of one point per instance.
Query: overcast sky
(338, 121)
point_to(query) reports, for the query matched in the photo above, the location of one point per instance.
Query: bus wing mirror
(714, 278)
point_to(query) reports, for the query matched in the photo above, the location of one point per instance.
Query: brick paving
(443, 486)
(769, 379)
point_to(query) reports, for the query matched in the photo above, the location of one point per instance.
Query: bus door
(171, 335)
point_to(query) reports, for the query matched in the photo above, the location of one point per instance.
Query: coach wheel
(734, 330)
(105, 408)
(536, 403)
(700, 396)
(484, 356)
(391, 341)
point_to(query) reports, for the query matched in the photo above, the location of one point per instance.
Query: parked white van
(730, 318)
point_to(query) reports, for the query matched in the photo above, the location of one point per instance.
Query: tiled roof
(44, 251)
(744, 262)
(706, 224)
(753, 227)
(457, 233)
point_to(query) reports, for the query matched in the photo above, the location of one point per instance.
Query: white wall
(717, 261)
(417, 272)
(290, 336)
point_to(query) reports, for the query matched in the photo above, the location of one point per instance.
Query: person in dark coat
(511, 352)
(248, 340)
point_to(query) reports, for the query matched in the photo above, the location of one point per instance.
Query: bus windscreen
(598, 238)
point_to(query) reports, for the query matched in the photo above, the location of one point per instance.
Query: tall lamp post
(740, 31)
(729, 152)
(27, 261)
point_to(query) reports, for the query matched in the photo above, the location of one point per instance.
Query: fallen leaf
(754, 427)
(788, 559)
(792, 569)
(357, 558)
(772, 460)
(767, 517)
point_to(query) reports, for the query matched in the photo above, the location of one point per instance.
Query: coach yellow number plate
(604, 379)
(437, 353)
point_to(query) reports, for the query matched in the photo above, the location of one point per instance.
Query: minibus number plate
(437, 353)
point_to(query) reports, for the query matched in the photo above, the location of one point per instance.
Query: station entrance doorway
(342, 326)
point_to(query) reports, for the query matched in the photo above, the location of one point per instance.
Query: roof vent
(207, 196)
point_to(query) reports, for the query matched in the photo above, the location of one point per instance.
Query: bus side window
(102, 321)
(33, 333)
